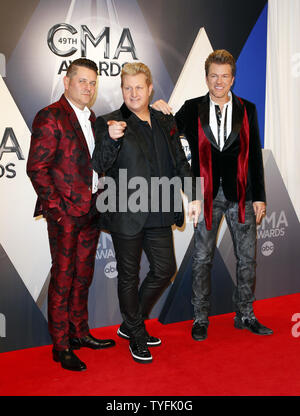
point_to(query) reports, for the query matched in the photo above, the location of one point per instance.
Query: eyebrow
(85, 79)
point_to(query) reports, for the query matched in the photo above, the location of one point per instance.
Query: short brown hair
(86, 63)
(135, 68)
(220, 56)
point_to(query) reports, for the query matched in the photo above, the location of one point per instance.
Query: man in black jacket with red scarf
(223, 136)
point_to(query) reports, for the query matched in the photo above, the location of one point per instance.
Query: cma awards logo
(63, 40)
(9, 144)
(272, 227)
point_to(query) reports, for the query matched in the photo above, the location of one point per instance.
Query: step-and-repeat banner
(173, 37)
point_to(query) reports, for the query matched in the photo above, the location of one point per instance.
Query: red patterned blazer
(59, 163)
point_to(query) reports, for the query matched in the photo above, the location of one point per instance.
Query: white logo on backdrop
(267, 248)
(272, 226)
(110, 270)
(105, 247)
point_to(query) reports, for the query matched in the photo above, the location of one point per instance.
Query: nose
(133, 92)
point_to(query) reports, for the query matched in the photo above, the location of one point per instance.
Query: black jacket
(224, 163)
(130, 153)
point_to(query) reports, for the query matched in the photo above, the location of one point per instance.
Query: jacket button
(90, 188)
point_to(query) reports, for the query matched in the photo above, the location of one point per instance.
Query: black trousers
(136, 303)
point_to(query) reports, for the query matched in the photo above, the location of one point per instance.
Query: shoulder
(167, 121)
(53, 110)
(191, 105)
(114, 115)
(161, 116)
(196, 100)
(250, 107)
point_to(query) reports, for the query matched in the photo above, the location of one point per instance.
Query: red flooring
(229, 362)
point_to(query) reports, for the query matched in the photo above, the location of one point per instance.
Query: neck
(144, 115)
(80, 107)
(220, 101)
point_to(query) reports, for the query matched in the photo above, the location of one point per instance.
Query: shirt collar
(213, 103)
(86, 112)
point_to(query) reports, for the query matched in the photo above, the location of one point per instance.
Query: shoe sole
(77, 347)
(125, 336)
(140, 359)
(199, 339)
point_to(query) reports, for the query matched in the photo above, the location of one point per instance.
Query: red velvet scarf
(205, 162)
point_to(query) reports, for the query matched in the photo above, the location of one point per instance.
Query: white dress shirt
(227, 108)
(85, 124)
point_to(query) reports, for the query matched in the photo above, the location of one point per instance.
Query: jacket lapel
(237, 121)
(74, 122)
(203, 112)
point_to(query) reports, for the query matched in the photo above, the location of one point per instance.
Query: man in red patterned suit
(60, 169)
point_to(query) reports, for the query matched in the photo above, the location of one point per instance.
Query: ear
(150, 89)
(66, 81)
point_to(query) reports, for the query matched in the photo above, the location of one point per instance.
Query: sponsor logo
(2, 326)
(267, 248)
(110, 270)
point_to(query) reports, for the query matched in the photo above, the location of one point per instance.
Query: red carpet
(230, 362)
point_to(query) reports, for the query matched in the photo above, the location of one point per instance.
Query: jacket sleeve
(190, 185)
(181, 119)
(256, 167)
(106, 149)
(42, 155)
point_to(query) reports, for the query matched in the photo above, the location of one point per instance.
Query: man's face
(136, 92)
(80, 88)
(219, 81)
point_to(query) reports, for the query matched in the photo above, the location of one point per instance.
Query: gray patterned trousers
(244, 242)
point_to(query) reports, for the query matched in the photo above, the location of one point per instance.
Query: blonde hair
(220, 56)
(135, 68)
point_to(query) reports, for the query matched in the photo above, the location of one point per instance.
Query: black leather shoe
(199, 331)
(139, 351)
(150, 341)
(90, 342)
(252, 325)
(68, 360)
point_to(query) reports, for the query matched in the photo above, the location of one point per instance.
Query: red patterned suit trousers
(73, 244)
